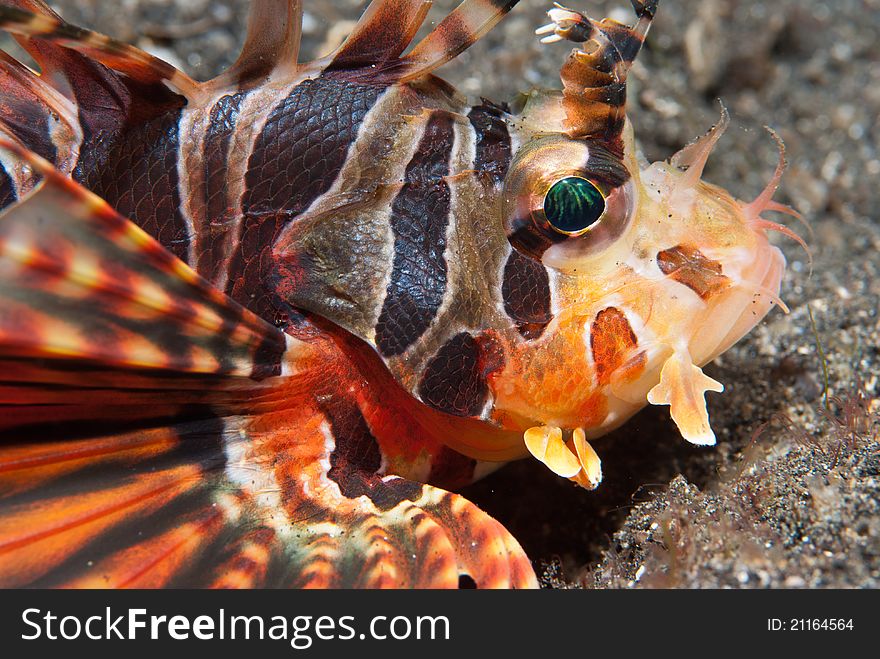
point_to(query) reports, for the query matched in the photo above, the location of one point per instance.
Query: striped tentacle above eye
(594, 78)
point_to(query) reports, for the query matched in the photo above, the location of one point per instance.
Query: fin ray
(463, 27)
(272, 43)
(46, 27)
(383, 32)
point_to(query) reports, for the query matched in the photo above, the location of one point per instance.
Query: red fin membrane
(148, 440)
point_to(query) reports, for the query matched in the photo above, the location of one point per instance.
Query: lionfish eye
(572, 205)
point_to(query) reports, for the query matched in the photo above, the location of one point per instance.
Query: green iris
(573, 204)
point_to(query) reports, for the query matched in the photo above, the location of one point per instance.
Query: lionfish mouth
(753, 294)
(756, 286)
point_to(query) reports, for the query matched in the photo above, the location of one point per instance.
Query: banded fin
(456, 33)
(382, 33)
(81, 282)
(162, 467)
(32, 19)
(273, 499)
(111, 464)
(356, 527)
(271, 46)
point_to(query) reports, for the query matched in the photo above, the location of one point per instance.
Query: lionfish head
(520, 266)
(651, 271)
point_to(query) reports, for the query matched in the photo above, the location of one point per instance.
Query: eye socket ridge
(574, 205)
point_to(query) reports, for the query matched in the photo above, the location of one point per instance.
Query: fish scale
(267, 318)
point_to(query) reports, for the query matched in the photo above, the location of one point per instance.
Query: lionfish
(255, 331)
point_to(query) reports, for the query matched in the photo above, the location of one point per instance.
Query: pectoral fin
(575, 460)
(683, 386)
(149, 436)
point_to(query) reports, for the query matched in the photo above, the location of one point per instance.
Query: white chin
(735, 312)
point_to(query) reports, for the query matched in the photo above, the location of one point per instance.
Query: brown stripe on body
(419, 220)
(220, 212)
(475, 258)
(336, 260)
(526, 292)
(253, 112)
(454, 379)
(494, 150)
(296, 158)
(138, 176)
(530, 239)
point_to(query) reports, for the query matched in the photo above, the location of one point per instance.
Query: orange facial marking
(613, 343)
(689, 266)
(593, 410)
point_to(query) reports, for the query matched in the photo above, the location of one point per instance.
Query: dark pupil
(573, 204)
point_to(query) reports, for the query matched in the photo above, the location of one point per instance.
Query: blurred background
(789, 497)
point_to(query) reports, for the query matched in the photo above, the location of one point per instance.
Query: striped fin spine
(381, 35)
(387, 27)
(33, 20)
(271, 46)
(458, 31)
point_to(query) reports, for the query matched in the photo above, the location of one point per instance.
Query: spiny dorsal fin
(383, 32)
(458, 31)
(271, 46)
(47, 28)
